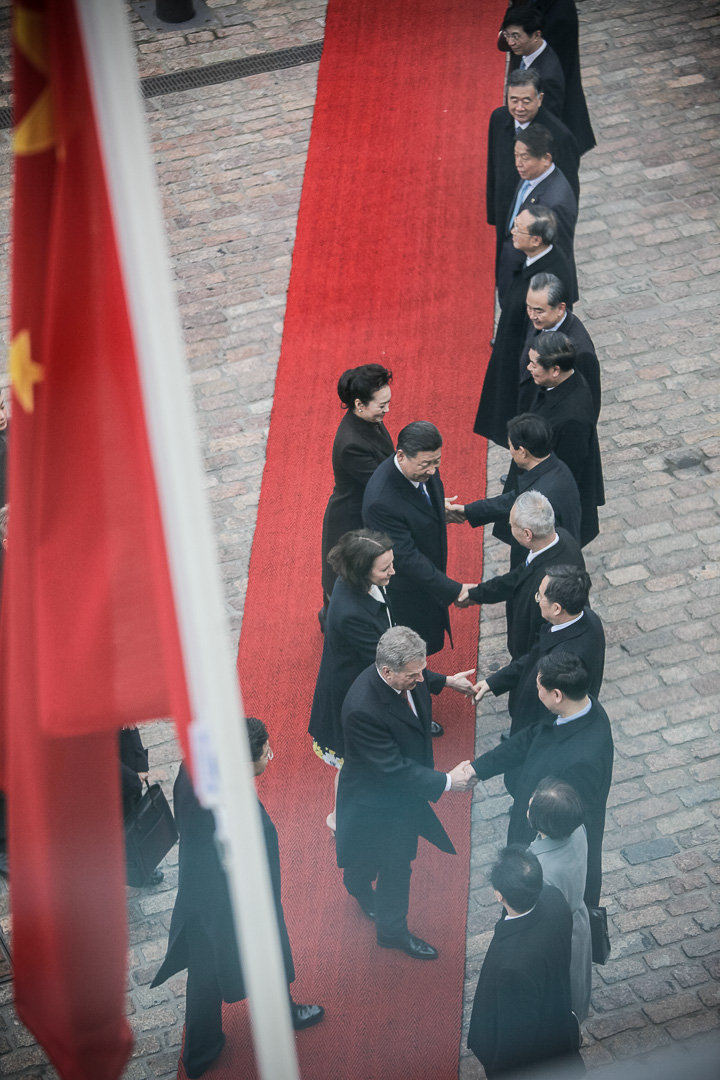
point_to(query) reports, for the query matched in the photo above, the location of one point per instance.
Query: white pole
(220, 749)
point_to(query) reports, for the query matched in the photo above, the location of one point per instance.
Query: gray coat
(564, 865)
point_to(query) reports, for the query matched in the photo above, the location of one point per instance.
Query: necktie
(524, 188)
(426, 493)
(523, 65)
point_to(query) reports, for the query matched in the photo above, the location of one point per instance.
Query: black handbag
(599, 935)
(150, 832)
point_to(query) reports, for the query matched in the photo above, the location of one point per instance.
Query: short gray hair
(398, 646)
(534, 511)
(543, 224)
(552, 286)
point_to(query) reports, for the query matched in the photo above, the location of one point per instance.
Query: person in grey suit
(540, 182)
(556, 813)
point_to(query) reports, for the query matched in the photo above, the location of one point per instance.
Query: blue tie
(524, 188)
(523, 65)
(426, 493)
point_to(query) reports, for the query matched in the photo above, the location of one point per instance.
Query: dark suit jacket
(420, 591)
(550, 71)
(357, 451)
(502, 176)
(555, 193)
(354, 625)
(586, 362)
(518, 587)
(585, 638)
(522, 1012)
(388, 779)
(498, 400)
(551, 478)
(570, 412)
(579, 752)
(203, 899)
(561, 31)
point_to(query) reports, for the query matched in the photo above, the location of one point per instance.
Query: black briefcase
(599, 934)
(150, 832)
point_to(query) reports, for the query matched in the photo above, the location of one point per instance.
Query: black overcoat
(552, 478)
(586, 361)
(518, 587)
(556, 193)
(502, 176)
(522, 1011)
(570, 412)
(358, 449)
(388, 779)
(203, 898)
(561, 31)
(133, 760)
(550, 70)
(420, 591)
(498, 400)
(579, 752)
(354, 625)
(584, 638)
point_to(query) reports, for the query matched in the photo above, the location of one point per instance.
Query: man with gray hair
(532, 522)
(386, 785)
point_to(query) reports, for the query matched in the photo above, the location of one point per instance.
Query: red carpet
(392, 263)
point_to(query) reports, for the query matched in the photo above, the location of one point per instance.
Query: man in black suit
(522, 1013)
(522, 28)
(534, 236)
(563, 398)
(561, 31)
(541, 183)
(547, 310)
(524, 107)
(386, 785)
(573, 743)
(570, 626)
(405, 499)
(535, 467)
(202, 930)
(532, 522)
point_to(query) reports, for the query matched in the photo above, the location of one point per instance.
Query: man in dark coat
(534, 467)
(534, 235)
(563, 399)
(405, 498)
(562, 32)
(202, 931)
(522, 1012)
(547, 310)
(386, 785)
(573, 743)
(541, 183)
(524, 107)
(532, 521)
(570, 626)
(523, 31)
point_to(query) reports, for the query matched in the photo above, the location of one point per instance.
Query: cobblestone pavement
(230, 160)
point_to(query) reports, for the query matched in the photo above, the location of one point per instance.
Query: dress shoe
(305, 1016)
(436, 730)
(408, 943)
(155, 878)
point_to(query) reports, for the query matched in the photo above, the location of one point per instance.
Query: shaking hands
(454, 511)
(463, 777)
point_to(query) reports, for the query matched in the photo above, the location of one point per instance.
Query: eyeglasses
(513, 36)
(516, 228)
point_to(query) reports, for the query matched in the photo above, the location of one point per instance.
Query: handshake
(463, 777)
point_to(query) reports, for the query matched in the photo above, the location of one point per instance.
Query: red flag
(89, 623)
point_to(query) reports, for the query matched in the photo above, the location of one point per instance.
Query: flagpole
(221, 759)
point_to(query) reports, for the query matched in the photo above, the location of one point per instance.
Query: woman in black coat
(362, 442)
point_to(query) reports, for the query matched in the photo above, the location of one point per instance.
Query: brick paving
(230, 160)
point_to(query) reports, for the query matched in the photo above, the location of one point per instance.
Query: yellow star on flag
(24, 372)
(35, 132)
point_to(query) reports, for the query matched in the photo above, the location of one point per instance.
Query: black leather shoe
(367, 903)
(408, 943)
(305, 1016)
(155, 878)
(436, 730)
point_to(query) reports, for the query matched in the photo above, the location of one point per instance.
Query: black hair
(532, 432)
(353, 556)
(543, 222)
(568, 586)
(565, 672)
(528, 19)
(537, 139)
(517, 875)
(362, 383)
(525, 77)
(257, 736)
(556, 290)
(556, 809)
(420, 437)
(554, 350)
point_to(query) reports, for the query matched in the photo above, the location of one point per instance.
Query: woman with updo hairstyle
(556, 812)
(362, 442)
